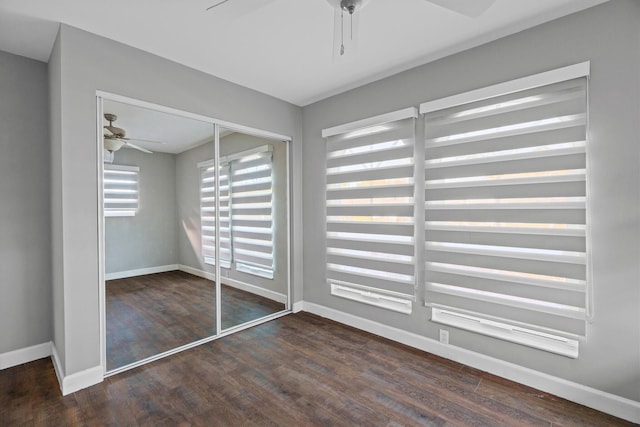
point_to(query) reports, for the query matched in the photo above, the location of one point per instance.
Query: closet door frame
(217, 124)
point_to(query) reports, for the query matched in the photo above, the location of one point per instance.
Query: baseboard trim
(140, 272)
(57, 366)
(197, 272)
(24, 355)
(78, 381)
(298, 306)
(256, 290)
(602, 401)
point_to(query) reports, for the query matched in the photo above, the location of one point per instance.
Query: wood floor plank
(298, 370)
(150, 314)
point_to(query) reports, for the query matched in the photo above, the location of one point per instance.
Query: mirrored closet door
(170, 214)
(254, 227)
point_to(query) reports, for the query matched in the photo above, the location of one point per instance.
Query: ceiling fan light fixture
(346, 4)
(112, 145)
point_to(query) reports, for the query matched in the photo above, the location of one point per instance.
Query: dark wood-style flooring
(298, 370)
(150, 314)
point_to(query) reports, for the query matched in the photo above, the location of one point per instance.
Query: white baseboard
(256, 290)
(197, 272)
(57, 366)
(24, 355)
(602, 401)
(140, 272)
(298, 306)
(74, 382)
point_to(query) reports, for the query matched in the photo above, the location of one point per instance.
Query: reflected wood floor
(298, 370)
(147, 315)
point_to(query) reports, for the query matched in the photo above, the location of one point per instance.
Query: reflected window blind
(208, 215)
(505, 210)
(120, 190)
(370, 212)
(252, 211)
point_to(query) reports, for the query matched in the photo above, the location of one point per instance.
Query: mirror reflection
(253, 227)
(152, 305)
(160, 231)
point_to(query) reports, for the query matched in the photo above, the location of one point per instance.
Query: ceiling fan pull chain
(341, 32)
(351, 13)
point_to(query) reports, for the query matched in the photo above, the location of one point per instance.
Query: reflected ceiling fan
(115, 138)
(347, 13)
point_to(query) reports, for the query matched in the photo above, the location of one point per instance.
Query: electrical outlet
(444, 336)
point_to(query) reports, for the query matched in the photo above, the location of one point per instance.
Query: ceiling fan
(115, 138)
(347, 11)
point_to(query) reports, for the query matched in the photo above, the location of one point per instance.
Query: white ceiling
(173, 134)
(279, 47)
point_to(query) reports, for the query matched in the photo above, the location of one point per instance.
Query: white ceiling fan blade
(232, 10)
(218, 3)
(135, 147)
(470, 8)
(144, 140)
(107, 131)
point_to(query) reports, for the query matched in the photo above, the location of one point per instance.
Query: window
(120, 187)
(502, 234)
(505, 211)
(208, 214)
(246, 211)
(370, 210)
(252, 211)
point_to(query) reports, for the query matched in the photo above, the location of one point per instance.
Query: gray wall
(55, 186)
(609, 36)
(188, 201)
(189, 208)
(25, 229)
(150, 238)
(143, 76)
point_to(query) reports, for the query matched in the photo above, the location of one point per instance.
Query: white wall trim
(256, 290)
(25, 355)
(197, 272)
(265, 293)
(298, 306)
(602, 401)
(74, 382)
(83, 379)
(57, 366)
(140, 272)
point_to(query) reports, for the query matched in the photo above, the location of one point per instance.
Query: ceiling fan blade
(144, 140)
(219, 3)
(135, 147)
(227, 10)
(470, 8)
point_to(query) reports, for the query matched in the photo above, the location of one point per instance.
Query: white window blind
(120, 187)
(252, 211)
(370, 211)
(505, 211)
(246, 211)
(208, 214)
